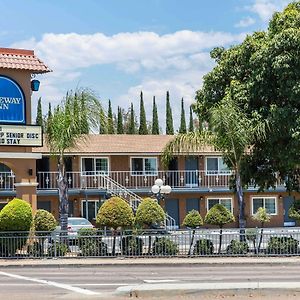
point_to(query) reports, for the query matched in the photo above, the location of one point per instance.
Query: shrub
(149, 212)
(164, 246)
(115, 213)
(15, 216)
(203, 247)
(44, 221)
(90, 242)
(58, 249)
(192, 219)
(237, 247)
(282, 245)
(132, 245)
(219, 215)
(294, 211)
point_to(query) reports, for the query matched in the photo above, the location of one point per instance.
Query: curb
(185, 288)
(96, 262)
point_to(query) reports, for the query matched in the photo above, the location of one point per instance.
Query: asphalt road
(101, 282)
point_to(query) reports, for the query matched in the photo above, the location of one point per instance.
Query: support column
(27, 192)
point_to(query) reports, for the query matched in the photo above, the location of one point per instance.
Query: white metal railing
(7, 181)
(176, 179)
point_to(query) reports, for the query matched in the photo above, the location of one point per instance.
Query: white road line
(51, 283)
(159, 280)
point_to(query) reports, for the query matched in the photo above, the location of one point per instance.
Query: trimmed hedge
(282, 245)
(237, 247)
(44, 221)
(164, 246)
(132, 245)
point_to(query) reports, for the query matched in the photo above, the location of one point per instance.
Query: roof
(20, 59)
(121, 144)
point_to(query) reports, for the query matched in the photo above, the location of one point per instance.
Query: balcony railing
(93, 180)
(176, 179)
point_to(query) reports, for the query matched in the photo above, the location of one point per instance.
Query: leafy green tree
(266, 65)
(120, 128)
(262, 217)
(169, 116)
(44, 221)
(110, 120)
(63, 130)
(192, 220)
(115, 213)
(102, 122)
(84, 124)
(39, 114)
(219, 215)
(233, 133)
(182, 128)
(143, 123)
(155, 123)
(191, 122)
(132, 123)
(149, 213)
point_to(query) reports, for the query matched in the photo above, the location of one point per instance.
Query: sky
(119, 47)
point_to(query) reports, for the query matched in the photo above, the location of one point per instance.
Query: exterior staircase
(114, 188)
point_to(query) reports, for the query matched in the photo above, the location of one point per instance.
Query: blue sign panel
(12, 102)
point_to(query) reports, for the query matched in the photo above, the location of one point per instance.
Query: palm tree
(232, 132)
(63, 131)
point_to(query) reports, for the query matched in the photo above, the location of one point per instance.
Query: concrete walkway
(94, 262)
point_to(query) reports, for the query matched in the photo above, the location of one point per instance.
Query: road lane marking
(51, 283)
(159, 280)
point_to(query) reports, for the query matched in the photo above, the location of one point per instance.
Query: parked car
(74, 224)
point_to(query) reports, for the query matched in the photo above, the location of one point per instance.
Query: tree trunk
(220, 240)
(63, 195)
(240, 196)
(192, 242)
(260, 240)
(114, 244)
(149, 247)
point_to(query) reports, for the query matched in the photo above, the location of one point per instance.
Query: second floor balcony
(92, 180)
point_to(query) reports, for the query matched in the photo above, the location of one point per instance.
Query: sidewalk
(120, 261)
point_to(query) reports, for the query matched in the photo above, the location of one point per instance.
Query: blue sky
(120, 47)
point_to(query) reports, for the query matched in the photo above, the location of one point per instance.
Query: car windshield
(78, 222)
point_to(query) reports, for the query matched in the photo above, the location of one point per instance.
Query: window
(227, 202)
(91, 212)
(216, 165)
(269, 203)
(144, 166)
(94, 165)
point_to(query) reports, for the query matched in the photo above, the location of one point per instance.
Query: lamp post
(160, 190)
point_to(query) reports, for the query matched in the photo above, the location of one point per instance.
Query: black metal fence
(142, 243)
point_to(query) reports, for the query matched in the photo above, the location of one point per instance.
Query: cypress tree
(182, 128)
(143, 123)
(169, 117)
(120, 129)
(191, 125)
(39, 114)
(155, 125)
(84, 125)
(110, 120)
(102, 125)
(131, 127)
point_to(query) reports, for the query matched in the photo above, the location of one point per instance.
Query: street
(102, 281)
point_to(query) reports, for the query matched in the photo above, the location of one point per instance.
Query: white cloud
(265, 8)
(174, 62)
(248, 21)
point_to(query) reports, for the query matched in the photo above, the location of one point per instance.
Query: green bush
(15, 216)
(115, 213)
(192, 219)
(237, 247)
(44, 221)
(219, 215)
(294, 211)
(203, 247)
(132, 245)
(149, 212)
(164, 246)
(90, 242)
(58, 249)
(282, 245)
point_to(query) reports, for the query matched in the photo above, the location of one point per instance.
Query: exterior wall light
(35, 85)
